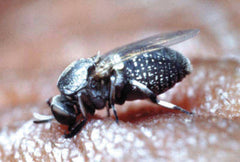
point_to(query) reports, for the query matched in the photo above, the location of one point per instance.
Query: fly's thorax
(74, 77)
(117, 62)
(106, 66)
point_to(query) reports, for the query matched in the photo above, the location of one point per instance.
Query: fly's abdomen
(158, 70)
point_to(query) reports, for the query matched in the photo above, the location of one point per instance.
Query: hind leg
(145, 91)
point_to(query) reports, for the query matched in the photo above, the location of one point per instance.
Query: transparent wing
(149, 44)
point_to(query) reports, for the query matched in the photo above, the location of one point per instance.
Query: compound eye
(63, 110)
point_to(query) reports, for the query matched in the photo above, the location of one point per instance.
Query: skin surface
(39, 39)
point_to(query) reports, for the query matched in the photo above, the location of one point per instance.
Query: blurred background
(38, 39)
(44, 37)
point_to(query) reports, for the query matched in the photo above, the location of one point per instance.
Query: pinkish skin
(33, 56)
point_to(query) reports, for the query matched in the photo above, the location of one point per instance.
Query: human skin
(40, 39)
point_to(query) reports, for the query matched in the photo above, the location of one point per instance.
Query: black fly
(139, 70)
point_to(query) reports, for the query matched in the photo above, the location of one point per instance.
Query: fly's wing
(149, 44)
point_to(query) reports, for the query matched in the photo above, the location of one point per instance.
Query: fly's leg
(108, 109)
(73, 130)
(148, 93)
(117, 84)
(76, 129)
(172, 106)
(112, 96)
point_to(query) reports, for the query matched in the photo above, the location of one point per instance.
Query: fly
(140, 70)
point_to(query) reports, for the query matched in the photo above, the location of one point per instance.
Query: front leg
(76, 129)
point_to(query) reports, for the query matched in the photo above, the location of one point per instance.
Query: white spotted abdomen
(158, 70)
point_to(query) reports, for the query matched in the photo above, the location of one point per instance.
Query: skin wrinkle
(37, 43)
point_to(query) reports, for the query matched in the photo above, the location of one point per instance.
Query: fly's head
(63, 109)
